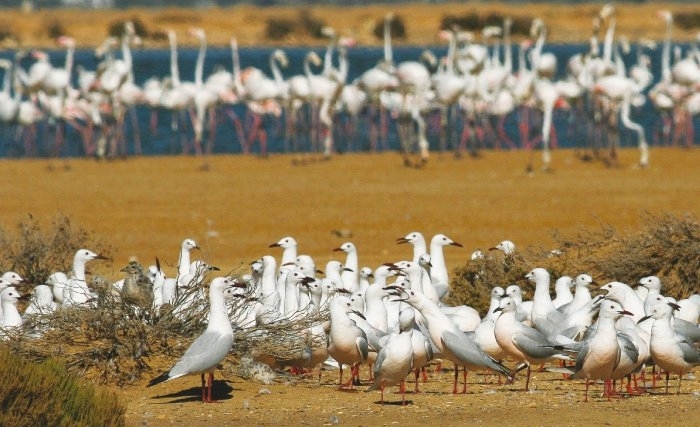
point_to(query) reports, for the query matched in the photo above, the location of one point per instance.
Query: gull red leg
(204, 390)
(454, 386)
(464, 375)
(210, 383)
(416, 373)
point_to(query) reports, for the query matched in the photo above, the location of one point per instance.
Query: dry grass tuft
(668, 247)
(34, 253)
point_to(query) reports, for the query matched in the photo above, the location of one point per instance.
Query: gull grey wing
(691, 354)
(687, 329)
(206, 351)
(536, 348)
(469, 353)
(627, 346)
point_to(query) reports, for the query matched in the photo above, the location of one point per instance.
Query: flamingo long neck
(6, 78)
(174, 69)
(343, 64)
(388, 54)
(274, 67)
(236, 65)
(620, 68)
(451, 51)
(70, 52)
(126, 54)
(666, 52)
(328, 57)
(507, 48)
(608, 42)
(199, 67)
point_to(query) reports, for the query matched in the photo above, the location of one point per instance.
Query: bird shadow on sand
(220, 391)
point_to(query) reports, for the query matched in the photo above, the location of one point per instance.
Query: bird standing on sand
(210, 348)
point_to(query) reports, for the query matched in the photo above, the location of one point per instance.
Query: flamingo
(205, 99)
(299, 94)
(9, 105)
(262, 94)
(546, 96)
(447, 85)
(353, 101)
(621, 89)
(377, 80)
(176, 97)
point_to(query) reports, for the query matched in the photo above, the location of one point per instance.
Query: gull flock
(393, 319)
(476, 85)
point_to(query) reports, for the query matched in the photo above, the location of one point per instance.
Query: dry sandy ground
(147, 205)
(565, 22)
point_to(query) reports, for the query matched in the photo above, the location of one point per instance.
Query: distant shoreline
(250, 24)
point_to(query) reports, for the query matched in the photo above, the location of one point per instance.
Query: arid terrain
(146, 206)
(566, 23)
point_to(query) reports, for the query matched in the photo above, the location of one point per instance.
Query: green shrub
(46, 395)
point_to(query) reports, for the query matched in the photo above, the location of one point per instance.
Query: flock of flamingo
(475, 86)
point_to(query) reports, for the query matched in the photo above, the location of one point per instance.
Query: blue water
(164, 141)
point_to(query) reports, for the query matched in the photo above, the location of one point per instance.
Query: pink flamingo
(261, 94)
(205, 99)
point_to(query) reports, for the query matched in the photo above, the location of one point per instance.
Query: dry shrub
(34, 253)
(116, 28)
(667, 247)
(687, 21)
(311, 25)
(278, 28)
(397, 29)
(55, 30)
(474, 21)
(112, 341)
(45, 394)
